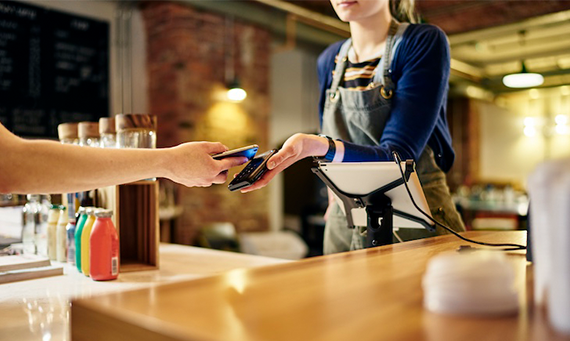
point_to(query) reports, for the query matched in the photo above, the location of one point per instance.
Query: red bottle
(104, 248)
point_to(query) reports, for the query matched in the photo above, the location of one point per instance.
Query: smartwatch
(329, 156)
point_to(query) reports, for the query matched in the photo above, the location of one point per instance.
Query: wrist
(317, 146)
(165, 160)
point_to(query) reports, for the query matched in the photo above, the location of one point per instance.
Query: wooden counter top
(39, 309)
(372, 294)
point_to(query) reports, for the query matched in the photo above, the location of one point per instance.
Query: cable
(507, 246)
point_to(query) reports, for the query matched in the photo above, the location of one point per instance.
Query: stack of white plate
(475, 283)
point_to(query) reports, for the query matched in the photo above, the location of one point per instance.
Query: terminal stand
(378, 207)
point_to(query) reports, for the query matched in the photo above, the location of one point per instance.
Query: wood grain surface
(372, 294)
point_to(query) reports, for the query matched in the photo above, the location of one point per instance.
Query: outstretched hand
(297, 147)
(192, 164)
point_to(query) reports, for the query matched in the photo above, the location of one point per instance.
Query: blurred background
(178, 59)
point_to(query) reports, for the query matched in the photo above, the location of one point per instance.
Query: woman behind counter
(382, 90)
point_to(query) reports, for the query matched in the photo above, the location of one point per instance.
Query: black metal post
(380, 223)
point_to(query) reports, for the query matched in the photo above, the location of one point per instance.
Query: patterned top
(358, 76)
(420, 71)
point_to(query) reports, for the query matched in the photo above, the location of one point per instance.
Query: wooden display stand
(135, 208)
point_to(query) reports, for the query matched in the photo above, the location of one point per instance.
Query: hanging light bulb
(523, 79)
(235, 92)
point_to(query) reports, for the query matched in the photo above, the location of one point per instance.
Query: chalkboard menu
(54, 68)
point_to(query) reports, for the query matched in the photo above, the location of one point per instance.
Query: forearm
(49, 167)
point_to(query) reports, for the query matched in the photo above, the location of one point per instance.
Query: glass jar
(107, 132)
(88, 134)
(136, 130)
(68, 133)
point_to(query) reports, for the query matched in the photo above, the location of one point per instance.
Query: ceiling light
(523, 79)
(235, 92)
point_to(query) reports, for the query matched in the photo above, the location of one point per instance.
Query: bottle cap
(134, 121)
(103, 213)
(62, 207)
(67, 131)
(81, 210)
(107, 125)
(35, 197)
(90, 210)
(88, 129)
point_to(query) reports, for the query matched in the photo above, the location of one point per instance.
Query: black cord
(509, 246)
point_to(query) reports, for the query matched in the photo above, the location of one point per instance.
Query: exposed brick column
(187, 51)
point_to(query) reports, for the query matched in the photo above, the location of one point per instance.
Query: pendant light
(235, 92)
(523, 79)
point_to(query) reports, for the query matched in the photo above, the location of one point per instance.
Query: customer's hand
(191, 164)
(297, 147)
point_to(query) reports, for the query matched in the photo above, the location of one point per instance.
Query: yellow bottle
(85, 241)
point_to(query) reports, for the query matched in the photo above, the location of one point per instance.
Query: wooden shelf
(135, 207)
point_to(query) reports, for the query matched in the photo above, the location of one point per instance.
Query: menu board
(54, 68)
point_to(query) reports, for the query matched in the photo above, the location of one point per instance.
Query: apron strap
(392, 41)
(341, 65)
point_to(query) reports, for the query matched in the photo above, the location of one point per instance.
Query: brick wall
(186, 53)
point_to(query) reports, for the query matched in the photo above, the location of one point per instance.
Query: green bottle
(78, 231)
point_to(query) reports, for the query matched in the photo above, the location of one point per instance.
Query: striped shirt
(359, 76)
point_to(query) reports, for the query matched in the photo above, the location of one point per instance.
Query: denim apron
(360, 117)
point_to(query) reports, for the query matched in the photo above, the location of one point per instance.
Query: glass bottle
(70, 247)
(34, 231)
(78, 232)
(61, 235)
(104, 247)
(41, 226)
(85, 235)
(31, 213)
(53, 217)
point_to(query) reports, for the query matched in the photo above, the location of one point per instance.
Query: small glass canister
(136, 130)
(107, 132)
(88, 134)
(68, 133)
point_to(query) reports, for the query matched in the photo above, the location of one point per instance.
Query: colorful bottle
(61, 235)
(104, 247)
(78, 231)
(85, 235)
(53, 217)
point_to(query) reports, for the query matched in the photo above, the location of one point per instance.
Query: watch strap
(329, 156)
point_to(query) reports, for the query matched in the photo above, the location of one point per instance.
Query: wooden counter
(38, 310)
(370, 294)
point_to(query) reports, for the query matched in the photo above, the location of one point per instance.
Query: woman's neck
(369, 36)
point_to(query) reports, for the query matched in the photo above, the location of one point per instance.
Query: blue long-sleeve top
(420, 71)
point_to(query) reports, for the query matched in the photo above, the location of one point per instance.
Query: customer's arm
(38, 166)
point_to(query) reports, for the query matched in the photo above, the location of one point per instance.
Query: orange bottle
(104, 247)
